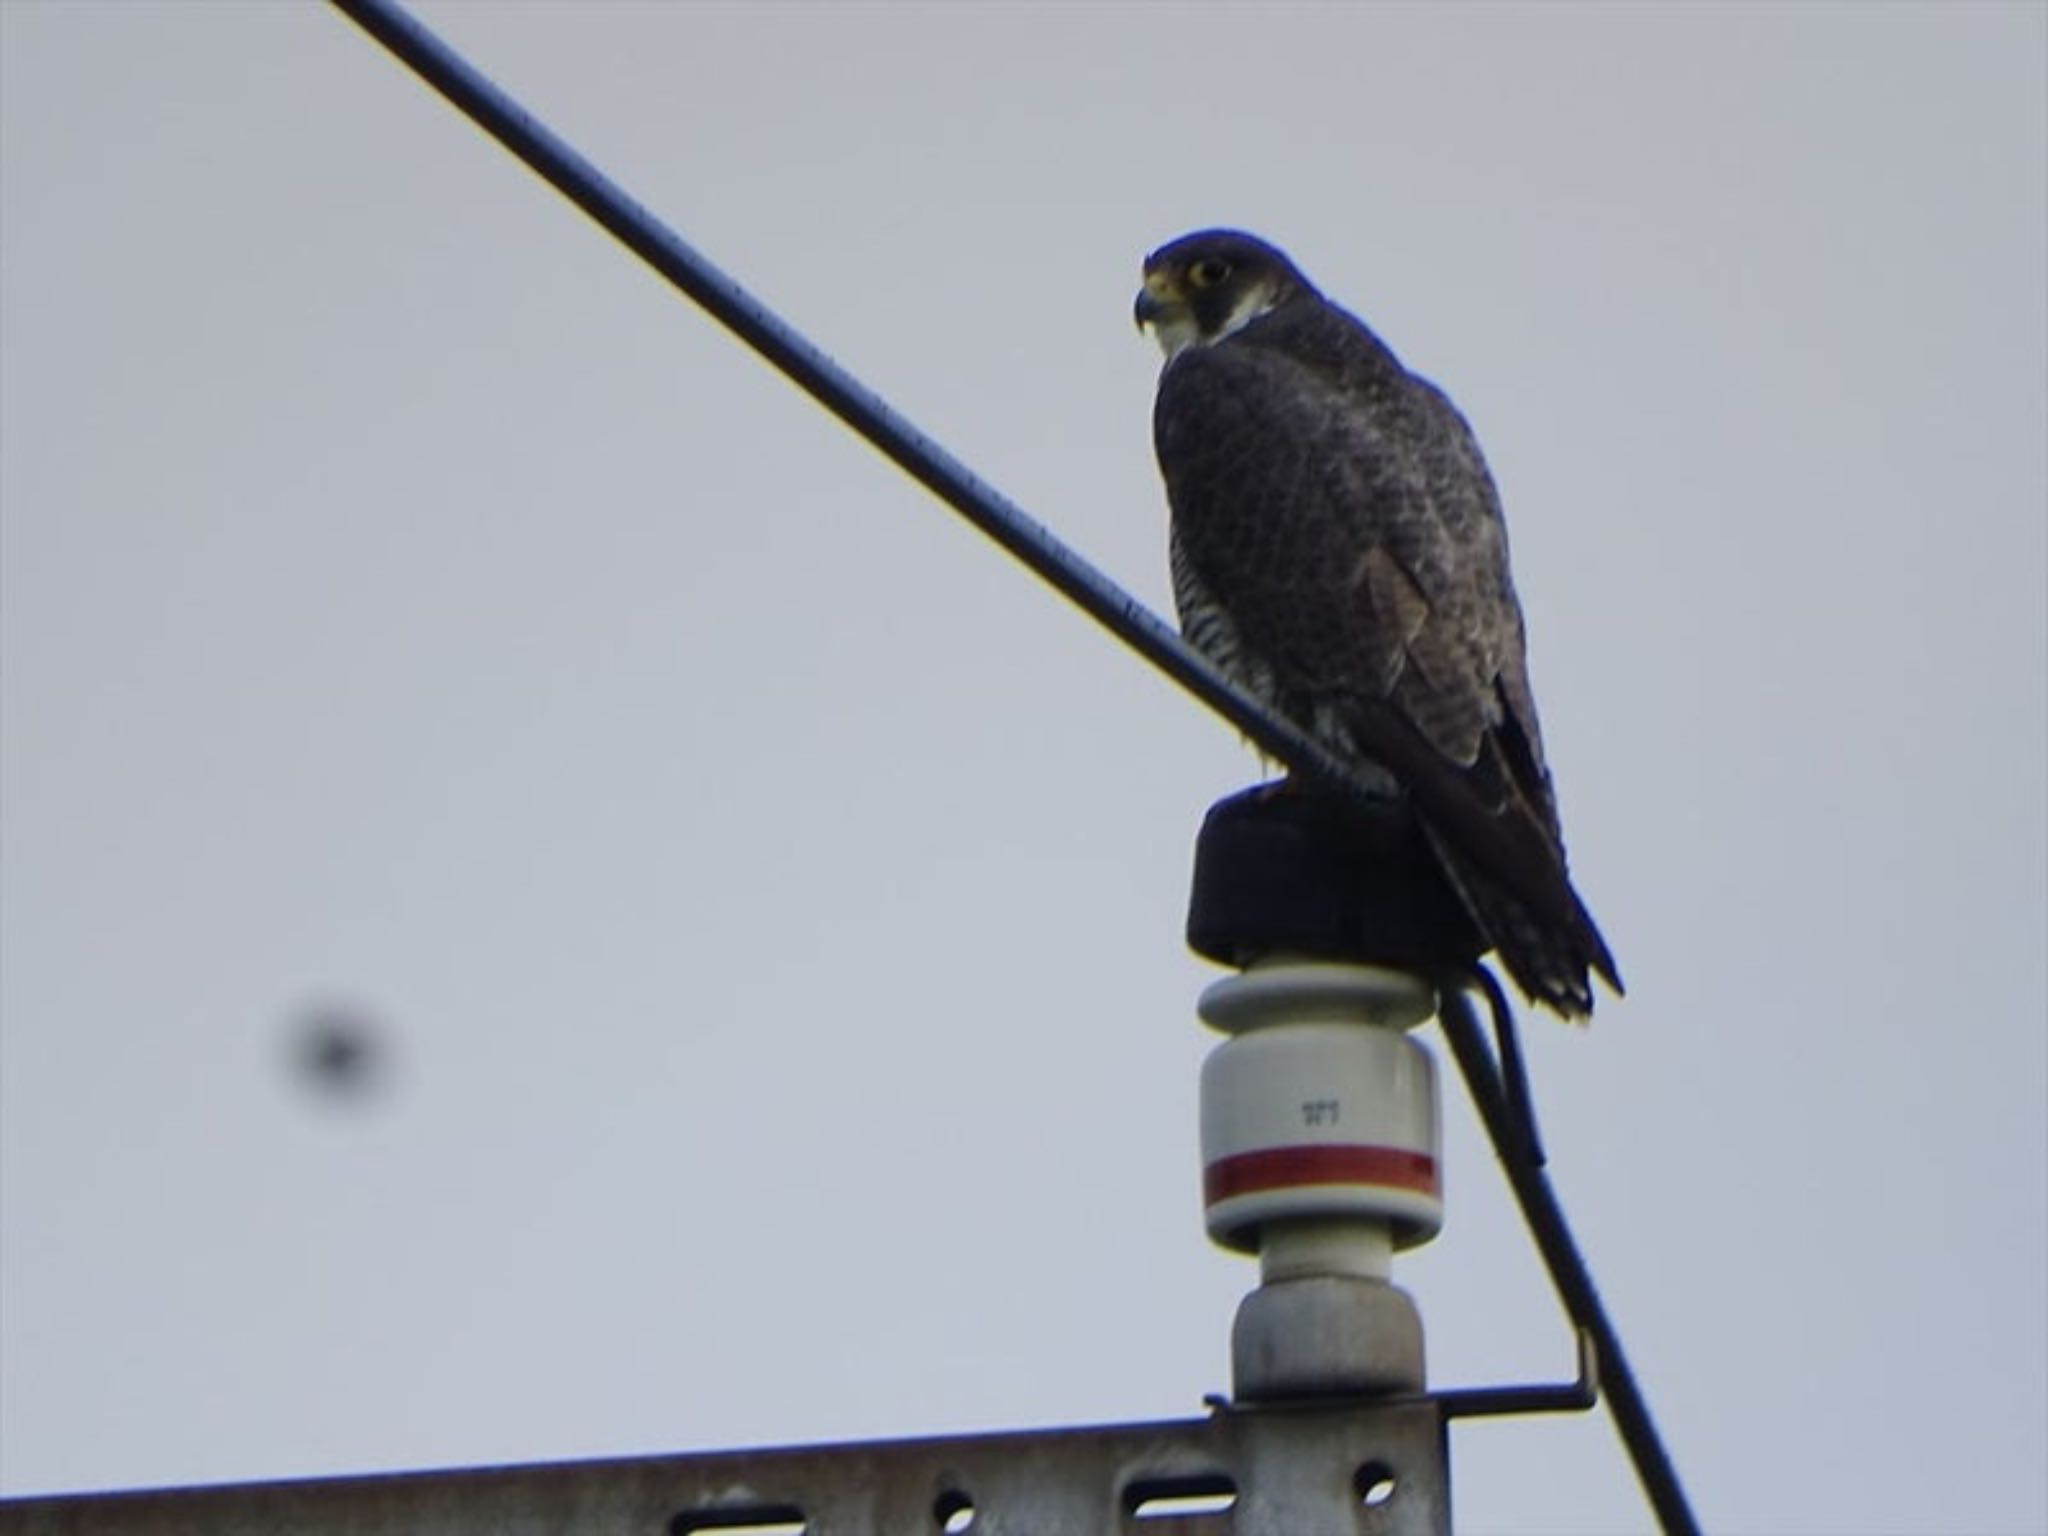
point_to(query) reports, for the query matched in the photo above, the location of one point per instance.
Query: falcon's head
(1212, 284)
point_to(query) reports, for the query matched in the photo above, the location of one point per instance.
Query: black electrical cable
(1508, 1121)
(1514, 1072)
(1514, 1144)
(798, 359)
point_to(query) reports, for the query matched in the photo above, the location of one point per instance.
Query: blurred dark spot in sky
(340, 1053)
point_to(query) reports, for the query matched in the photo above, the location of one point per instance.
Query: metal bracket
(1561, 1397)
(1367, 1469)
(1463, 1402)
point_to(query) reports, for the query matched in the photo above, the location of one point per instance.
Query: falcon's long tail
(1495, 834)
(1552, 960)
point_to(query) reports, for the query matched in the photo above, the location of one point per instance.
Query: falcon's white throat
(1176, 332)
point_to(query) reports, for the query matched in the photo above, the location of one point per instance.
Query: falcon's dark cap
(1228, 244)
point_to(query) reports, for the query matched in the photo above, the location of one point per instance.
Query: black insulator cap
(1281, 868)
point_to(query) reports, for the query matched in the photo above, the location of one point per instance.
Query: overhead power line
(804, 364)
(796, 357)
(1514, 1142)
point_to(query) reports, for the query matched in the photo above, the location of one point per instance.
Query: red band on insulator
(1252, 1173)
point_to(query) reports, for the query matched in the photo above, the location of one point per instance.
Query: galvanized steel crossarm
(1373, 1470)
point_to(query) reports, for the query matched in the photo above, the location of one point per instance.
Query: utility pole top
(1281, 869)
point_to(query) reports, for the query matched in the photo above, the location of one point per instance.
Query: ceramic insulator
(1319, 1107)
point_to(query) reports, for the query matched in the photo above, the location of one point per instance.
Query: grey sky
(772, 899)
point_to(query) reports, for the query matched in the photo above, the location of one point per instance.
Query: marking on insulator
(1251, 1173)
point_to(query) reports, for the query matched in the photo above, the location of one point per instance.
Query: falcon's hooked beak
(1151, 306)
(1163, 310)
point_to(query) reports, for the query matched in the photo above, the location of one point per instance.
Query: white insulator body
(1319, 1118)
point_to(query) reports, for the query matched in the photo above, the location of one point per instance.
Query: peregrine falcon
(1337, 548)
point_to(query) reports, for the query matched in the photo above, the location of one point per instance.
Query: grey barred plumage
(1337, 548)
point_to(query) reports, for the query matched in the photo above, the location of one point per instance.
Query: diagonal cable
(1514, 1143)
(800, 360)
(1031, 542)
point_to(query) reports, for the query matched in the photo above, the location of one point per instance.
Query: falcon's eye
(1208, 272)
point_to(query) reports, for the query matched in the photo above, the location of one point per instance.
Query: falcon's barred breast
(1338, 548)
